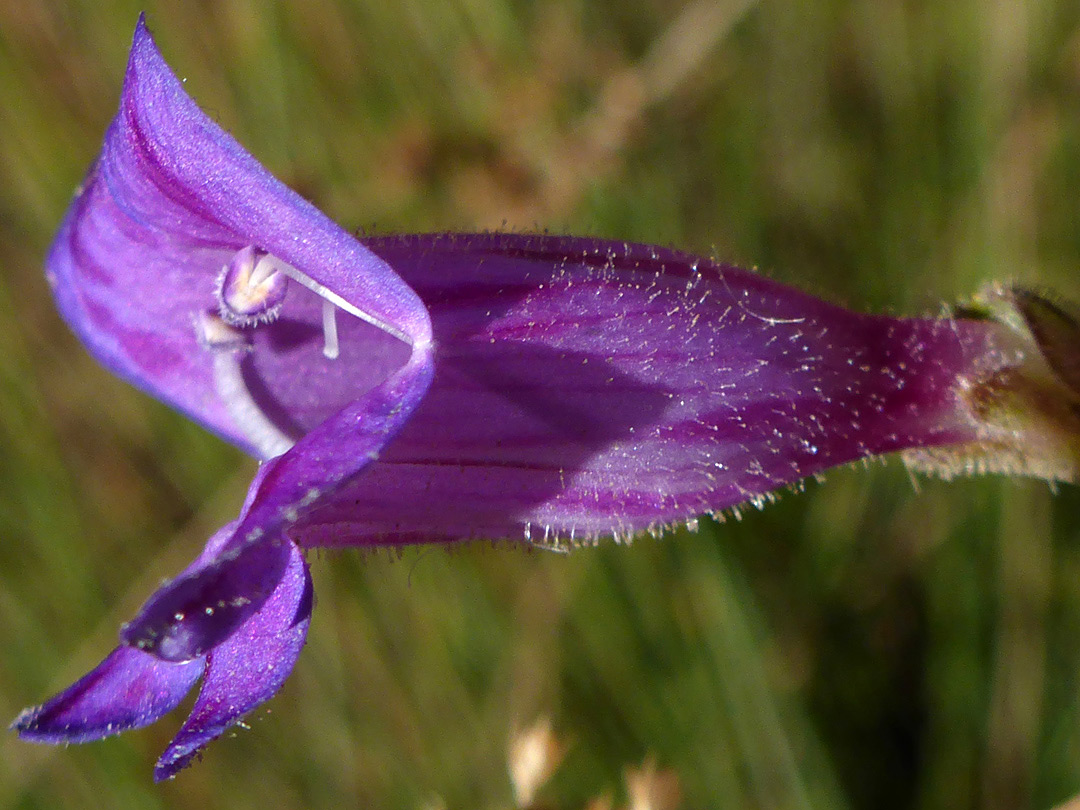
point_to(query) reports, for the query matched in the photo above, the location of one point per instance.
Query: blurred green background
(871, 643)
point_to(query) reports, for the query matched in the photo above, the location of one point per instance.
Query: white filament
(335, 299)
(329, 328)
(263, 434)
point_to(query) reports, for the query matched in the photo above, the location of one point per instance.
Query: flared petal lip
(247, 669)
(169, 178)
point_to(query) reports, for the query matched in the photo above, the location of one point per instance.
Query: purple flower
(546, 389)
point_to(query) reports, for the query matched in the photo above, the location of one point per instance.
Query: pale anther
(216, 335)
(251, 288)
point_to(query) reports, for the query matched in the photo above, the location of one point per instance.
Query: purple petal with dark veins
(589, 387)
(583, 387)
(168, 203)
(248, 668)
(129, 689)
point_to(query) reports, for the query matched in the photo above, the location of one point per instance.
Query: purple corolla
(432, 388)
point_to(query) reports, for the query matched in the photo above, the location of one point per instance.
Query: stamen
(228, 346)
(263, 434)
(329, 326)
(329, 295)
(251, 288)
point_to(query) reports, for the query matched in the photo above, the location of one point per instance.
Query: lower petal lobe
(248, 668)
(129, 689)
(197, 611)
